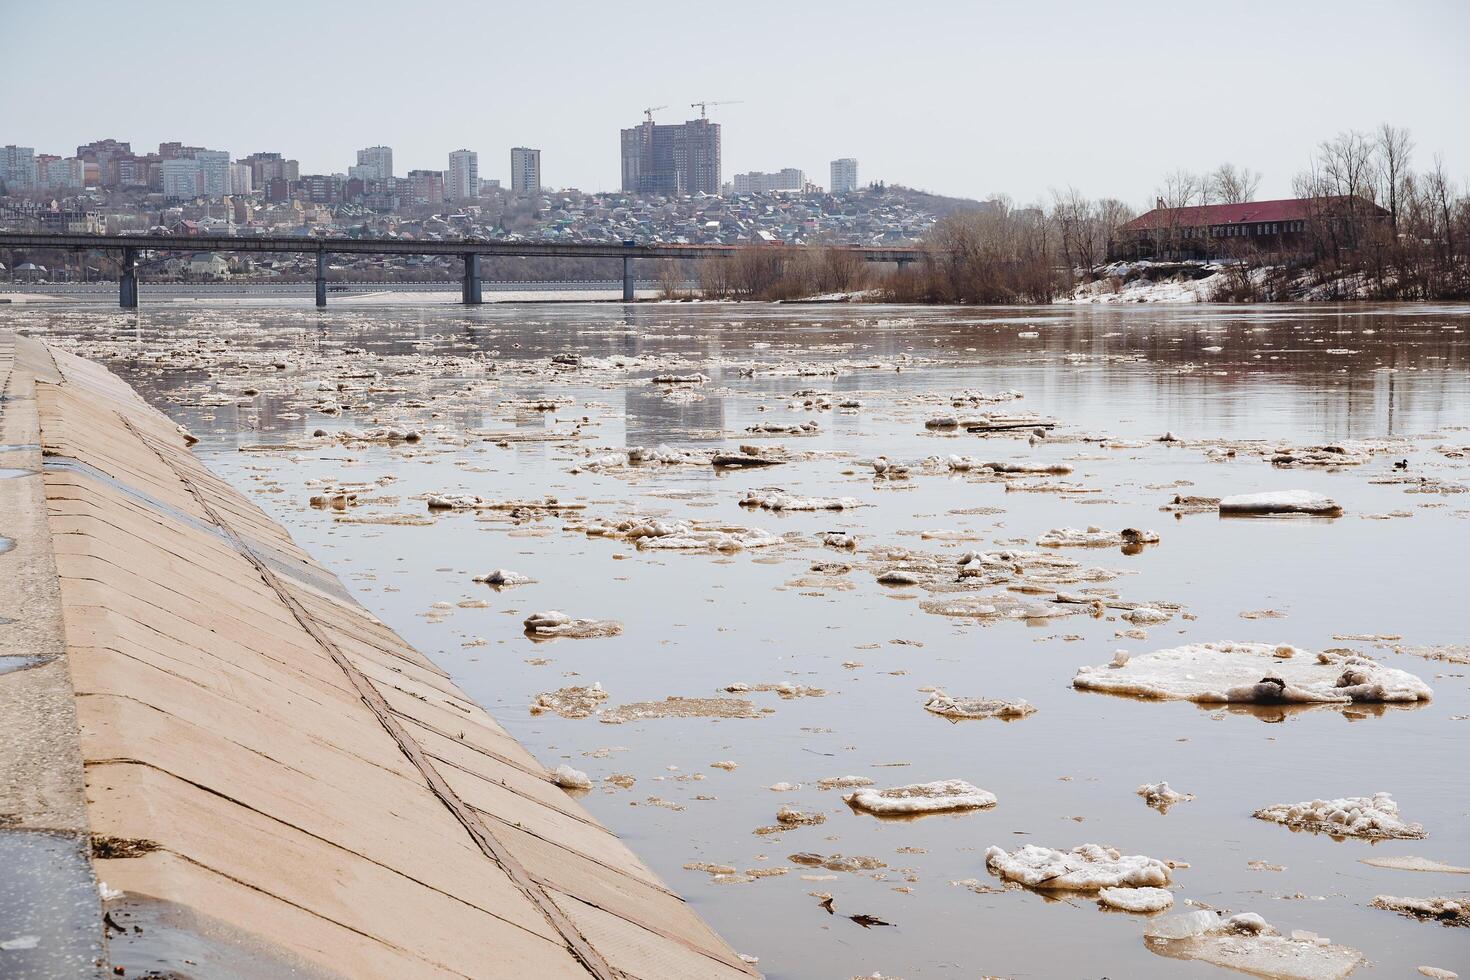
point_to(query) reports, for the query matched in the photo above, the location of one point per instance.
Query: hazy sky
(966, 98)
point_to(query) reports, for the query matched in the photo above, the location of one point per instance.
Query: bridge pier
(321, 279)
(472, 291)
(127, 280)
(627, 279)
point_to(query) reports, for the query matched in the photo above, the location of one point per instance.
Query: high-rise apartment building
(677, 159)
(375, 163)
(242, 178)
(844, 175)
(214, 173)
(462, 182)
(18, 167)
(755, 182)
(105, 155)
(525, 170)
(426, 187)
(61, 172)
(181, 178)
(266, 167)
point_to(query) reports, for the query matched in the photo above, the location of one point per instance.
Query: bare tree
(1395, 149)
(1230, 185)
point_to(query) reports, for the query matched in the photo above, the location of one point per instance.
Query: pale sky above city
(965, 98)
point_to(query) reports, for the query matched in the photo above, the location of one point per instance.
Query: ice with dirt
(1253, 673)
(949, 707)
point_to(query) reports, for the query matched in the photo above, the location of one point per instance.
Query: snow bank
(1280, 502)
(1253, 673)
(1086, 869)
(1375, 817)
(947, 794)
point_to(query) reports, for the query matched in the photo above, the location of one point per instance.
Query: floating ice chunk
(20, 942)
(1146, 616)
(897, 576)
(942, 422)
(1247, 944)
(1409, 862)
(1052, 469)
(568, 778)
(781, 500)
(504, 577)
(777, 429)
(1280, 502)
(555, 623)
(839, 539)
(1161, 796)
(679, 707)
(570, 702)
(680, 379)
(935, 797)
(942, 704)
(843, 782)
(1375, 816)
(1448, 911)
(1095, 537)
(1087, 868)
(1438, 973)
(1253, 673)
(1136, 899)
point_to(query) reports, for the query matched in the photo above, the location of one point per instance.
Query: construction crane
(648, 113)
(710, 102)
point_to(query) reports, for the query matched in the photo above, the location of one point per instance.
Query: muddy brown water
(693, 624)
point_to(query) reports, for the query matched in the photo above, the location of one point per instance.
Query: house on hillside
(1284, 228)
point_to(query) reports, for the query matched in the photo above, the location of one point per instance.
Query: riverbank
(218, 763)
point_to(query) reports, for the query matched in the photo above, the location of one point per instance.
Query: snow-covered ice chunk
(1253, 673)
(1136, 899)
(1375, 816)
(1280, 502)
(555, 623)
(1161, 795)
(935, 797)
(568, 778)
(781, 500)
(1448, 911)
(1087, 868)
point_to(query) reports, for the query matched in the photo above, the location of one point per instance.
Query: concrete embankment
(219, 764)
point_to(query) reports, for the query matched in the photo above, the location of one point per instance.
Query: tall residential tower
(844, 175)
(462, 182)
(525, 170)
(678, 159)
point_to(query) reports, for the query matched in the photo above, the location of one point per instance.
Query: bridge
(468, 249)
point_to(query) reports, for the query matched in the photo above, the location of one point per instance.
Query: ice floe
(1374, 817)
(1253, 673)
(936, 797)
(1247, 944)
(942, 704)
(1095, 537)
(554, 623)
(1136, 899)
(1446, 911)
(1280, 502)
(1088, 868)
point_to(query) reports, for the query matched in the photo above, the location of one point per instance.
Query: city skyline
(937, 127)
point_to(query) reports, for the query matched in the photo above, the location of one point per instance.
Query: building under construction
(676, 159)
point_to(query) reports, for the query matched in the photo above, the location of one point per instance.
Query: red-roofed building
(1211, 231)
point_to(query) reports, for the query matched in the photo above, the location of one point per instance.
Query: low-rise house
(1285, 227)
